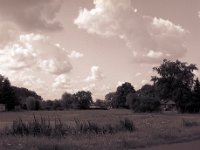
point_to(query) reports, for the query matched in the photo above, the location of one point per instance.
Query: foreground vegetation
(149, 129)
(44, 127)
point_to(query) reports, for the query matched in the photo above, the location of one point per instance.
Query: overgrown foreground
(113, 129)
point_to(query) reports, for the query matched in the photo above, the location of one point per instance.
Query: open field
(151, 129)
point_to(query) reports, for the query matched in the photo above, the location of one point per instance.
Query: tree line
(14, 97)
(175, 81)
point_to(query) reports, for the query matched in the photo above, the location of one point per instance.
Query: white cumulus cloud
(35, 51)
(90, 87)
(153, 54)
(138, 74)
(75, 54)
(143, 82)
(150, 38)
(196, 73)
(95, 74)
(119, 83)
(62, 82)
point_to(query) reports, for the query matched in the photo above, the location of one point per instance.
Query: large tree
(147, 90)
(119, 100)
(174, 81)
(7, 94)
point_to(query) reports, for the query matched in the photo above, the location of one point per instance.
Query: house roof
(170, 102)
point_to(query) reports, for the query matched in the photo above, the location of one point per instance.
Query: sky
(57, 46)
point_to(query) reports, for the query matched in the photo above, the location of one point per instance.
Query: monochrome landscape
(99, 74)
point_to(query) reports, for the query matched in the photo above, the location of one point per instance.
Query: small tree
(32, 103)
(109, 98)
(67, 100)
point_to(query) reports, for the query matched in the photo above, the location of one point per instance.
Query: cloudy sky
(53, 46)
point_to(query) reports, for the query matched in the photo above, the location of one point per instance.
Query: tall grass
(127, 124)
(44, 127)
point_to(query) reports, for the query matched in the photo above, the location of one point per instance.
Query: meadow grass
(149, 129)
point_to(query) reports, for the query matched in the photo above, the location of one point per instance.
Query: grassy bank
(151, 129)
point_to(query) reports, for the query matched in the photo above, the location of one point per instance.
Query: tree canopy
(7, 94)
(175, 81)
(119, 100)
(83, 99)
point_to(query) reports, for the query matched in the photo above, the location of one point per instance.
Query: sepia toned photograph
(99, 75)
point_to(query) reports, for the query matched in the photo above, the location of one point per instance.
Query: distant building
(168, 105)
(98, 107)
(2, 107)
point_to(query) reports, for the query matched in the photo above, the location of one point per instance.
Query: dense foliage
(7, 94)
(82, 99)
(175, 81)
(79, 100)
(13, 96)
(119, 99)
(143, 103)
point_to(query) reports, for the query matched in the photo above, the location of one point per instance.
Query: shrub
(144, 104)
(127, 124)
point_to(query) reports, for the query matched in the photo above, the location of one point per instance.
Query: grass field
(151, 129)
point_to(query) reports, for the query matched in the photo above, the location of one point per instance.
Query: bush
(144, 104)
(32, 103)
(127, 124)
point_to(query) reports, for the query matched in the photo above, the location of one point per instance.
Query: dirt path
(194, 145)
